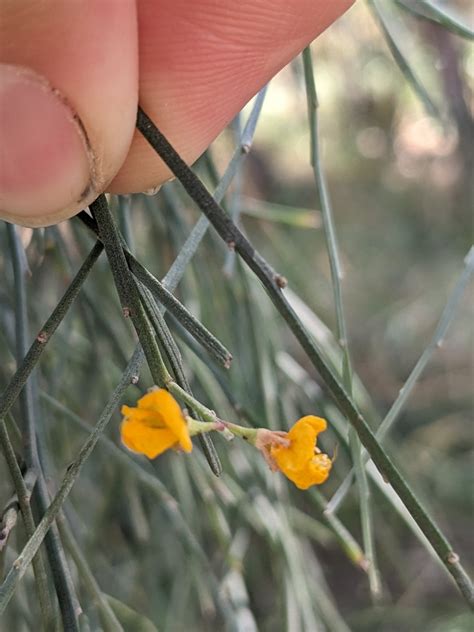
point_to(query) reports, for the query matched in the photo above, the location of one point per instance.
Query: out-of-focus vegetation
(172, 546)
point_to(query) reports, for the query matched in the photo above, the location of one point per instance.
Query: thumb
(68, 82)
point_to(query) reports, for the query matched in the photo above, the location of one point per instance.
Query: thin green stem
(67, 599)
(347, 541)
(336, 277)
(196, 329)
(197, 427)
(131, 305)
(23, 489)
(33, 355)
(124, 217)
(8, 522)
(173, 354)
(160, 328)
(191, 244)
(215, 348)
(107, 615)
(127, 289)
(430, 11)
(176, 271)
(22, 562)
(179, 392)
(243, 432)
(327, 214)
(235, 202)
(401, 61)
(366, 516)
(154, 485)
(170, 282)
(21, 342)
(435, 343)
(273, 284)
(239, 410)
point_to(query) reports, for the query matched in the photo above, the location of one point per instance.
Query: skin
(191, 64)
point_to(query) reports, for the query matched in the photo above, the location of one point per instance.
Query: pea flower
(155, 425)
(295, 453)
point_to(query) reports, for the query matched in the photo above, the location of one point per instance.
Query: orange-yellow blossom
(155, 425)
(301, 461)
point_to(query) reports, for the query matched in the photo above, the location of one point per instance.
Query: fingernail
(153, 190)
(46, 164)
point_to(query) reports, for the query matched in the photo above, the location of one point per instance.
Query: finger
(199, 67)
(68, 100)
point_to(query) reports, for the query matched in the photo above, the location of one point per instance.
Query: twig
(176, 271)
(273, 284)
(235, 202)
(171, 350)
(24, 485)
(169, 504)
(20, 501)
(67, 599)
(347, 541)
(109, 620)
(124, 217)
(170, 282)
(191, 244)
(23, 488)
(239, 410)
(196, 329)
(8, 521)
(401, 62)
(172, 304)
(30, 360)
(137, 470)
(435, 343)
(127, 289)
(132, 307)
(427, 10)
(22, 562)
(336, 277)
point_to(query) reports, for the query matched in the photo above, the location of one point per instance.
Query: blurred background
(185, 550)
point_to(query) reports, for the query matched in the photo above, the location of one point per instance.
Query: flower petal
(303, 440)
(163, 402)
(144, 416)
(155, 411)
(298, 461)
(314, 473)
(145, 439)
(317, 423)
(184, 440)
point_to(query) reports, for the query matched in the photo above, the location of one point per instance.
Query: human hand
(73, 71)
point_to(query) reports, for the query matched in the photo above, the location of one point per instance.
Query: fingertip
(46, 161)
(199, 67)
(68, 100)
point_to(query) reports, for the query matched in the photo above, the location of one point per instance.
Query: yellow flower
(301, 461)
(155, 425)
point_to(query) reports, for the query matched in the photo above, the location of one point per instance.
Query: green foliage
(167, 545)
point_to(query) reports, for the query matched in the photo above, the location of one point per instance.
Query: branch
(273, 284)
